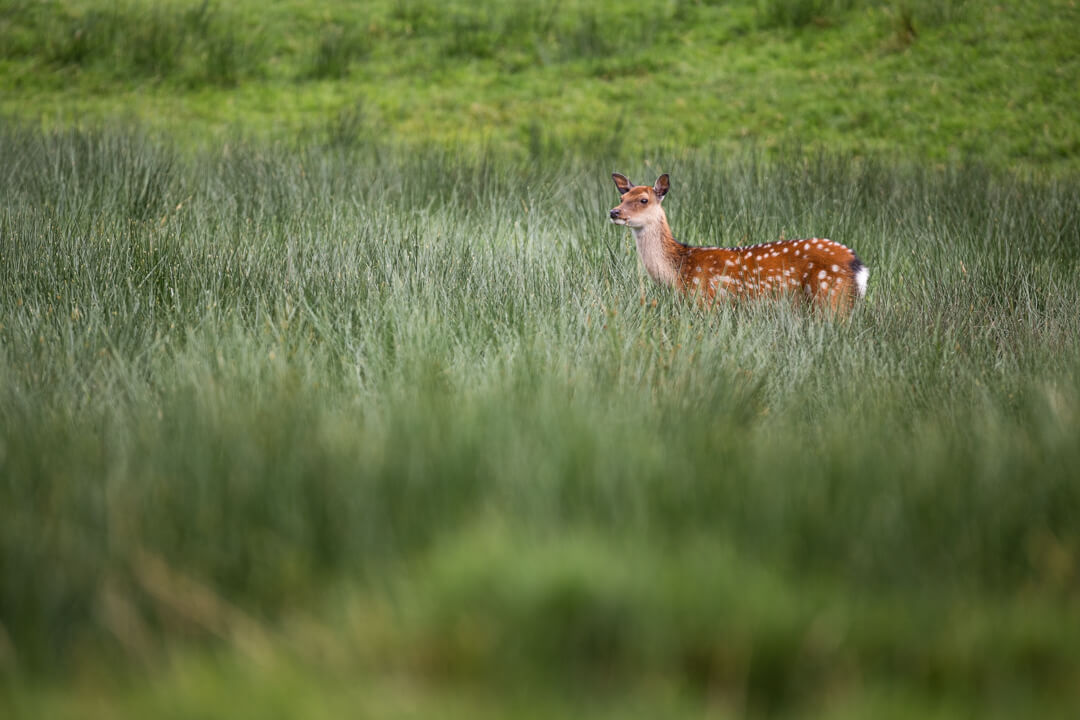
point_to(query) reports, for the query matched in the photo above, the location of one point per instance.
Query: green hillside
(994, 82)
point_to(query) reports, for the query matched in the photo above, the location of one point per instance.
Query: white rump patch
(861, 278)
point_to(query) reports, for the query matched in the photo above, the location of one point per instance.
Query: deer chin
(618, 221)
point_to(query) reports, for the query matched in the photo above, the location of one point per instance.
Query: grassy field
(317, 408)
(946, 82)
(406, 419)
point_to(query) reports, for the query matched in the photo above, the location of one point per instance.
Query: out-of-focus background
(326, 388)
(936, 81)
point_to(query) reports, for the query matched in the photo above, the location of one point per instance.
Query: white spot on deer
(729, 263)
(786, 249)
(836, 268)
(806, 246)
(697, 280)
(804, 275)
(821, 274)
(824, 285)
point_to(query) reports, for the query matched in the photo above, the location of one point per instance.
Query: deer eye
(644, 201)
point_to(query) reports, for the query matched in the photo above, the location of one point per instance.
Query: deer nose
(614, 213)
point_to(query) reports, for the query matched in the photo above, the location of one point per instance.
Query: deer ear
(622, 182)
(661, 187)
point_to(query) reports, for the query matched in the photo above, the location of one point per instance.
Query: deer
(827, 274)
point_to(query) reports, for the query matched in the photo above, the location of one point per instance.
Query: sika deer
(829, 274)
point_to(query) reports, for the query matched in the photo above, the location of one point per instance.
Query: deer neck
(659, 252)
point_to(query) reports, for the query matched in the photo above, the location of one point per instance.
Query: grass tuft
(797, 14)
(339, 47)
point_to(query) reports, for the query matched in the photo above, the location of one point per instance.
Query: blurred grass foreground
(356, 415)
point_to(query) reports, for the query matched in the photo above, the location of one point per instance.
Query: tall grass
(274, 371)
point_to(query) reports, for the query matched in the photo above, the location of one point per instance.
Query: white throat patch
(650, 245)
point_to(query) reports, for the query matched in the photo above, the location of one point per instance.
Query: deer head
(640, 204)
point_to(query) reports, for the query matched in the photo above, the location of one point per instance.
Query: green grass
(994, 83)
(326, 388)
(302, 429)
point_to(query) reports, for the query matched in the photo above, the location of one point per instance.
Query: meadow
(942, 82)
(319, 421)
